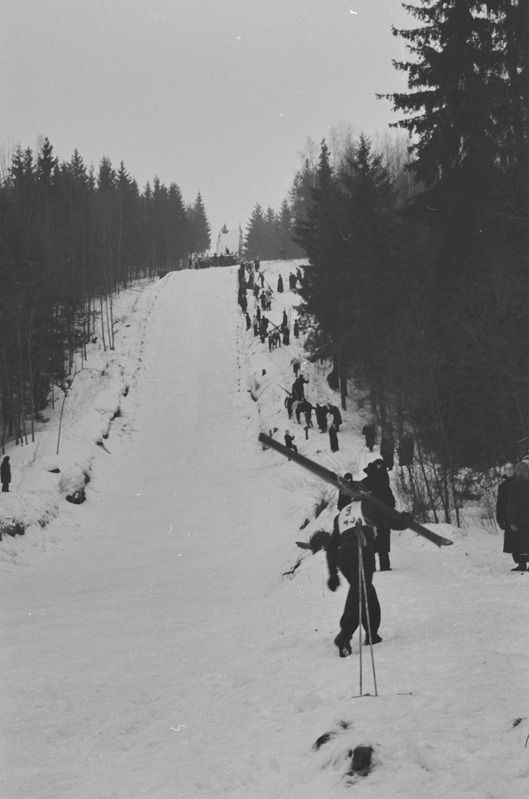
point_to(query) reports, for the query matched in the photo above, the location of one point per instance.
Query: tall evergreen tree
(200, 227)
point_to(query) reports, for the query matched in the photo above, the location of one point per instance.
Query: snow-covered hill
(152, 645)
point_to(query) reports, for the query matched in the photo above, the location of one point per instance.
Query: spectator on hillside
(405, 451)
(369, 431)
(502, 502)
(306, 409)
(321, 417)
(336, 416)
(286, 335)
(289, 441)
(5, 474)
(377, 483)
(296, 328)
(289, 400)
(333, 438)
(280, 284)
(387, 447)
(298, 386)
(518, 514)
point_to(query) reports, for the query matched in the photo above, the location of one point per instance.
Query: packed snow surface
(167, 638)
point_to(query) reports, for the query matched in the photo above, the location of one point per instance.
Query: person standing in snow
(280, 284)
(336, 415)
(502, 501)
(286, 335)
(298, 387)
(353, 531)
(387, 447)
(289, 400)
(5, 474)
(333, 437)
(289, 441)
(518, 514)
(321, 417)
(296, 328)
(377, 483)
(369, 431)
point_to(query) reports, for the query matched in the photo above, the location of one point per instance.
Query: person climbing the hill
(353, 531)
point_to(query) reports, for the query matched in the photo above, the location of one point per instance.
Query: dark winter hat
(374, 466)
(348, 476)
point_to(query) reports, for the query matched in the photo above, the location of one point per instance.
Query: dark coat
(333, 438)
(5, 471)
(370, 433)
(377, 482)
(298, 387)
(336, 415)
(502, 501)
(518, 508)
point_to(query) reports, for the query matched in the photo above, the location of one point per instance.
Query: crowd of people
(361, 533)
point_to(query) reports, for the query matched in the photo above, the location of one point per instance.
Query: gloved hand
(407, 518)
(333, 582)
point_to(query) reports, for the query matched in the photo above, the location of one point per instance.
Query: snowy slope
(151, 645)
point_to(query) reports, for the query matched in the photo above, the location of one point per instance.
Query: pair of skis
(354, 490)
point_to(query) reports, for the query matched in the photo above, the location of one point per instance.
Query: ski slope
(152, 645)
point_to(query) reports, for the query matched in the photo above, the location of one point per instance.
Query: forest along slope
(123, 644)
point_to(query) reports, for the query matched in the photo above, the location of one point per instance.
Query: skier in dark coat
(502, 501)
(5, 474)
(518, 514)
(377, 483)
(342, 553)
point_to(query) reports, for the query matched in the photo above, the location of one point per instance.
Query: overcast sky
(215, 95)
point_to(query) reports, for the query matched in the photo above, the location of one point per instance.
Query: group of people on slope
(512, 512)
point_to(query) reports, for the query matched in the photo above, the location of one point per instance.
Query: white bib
(349, 516)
